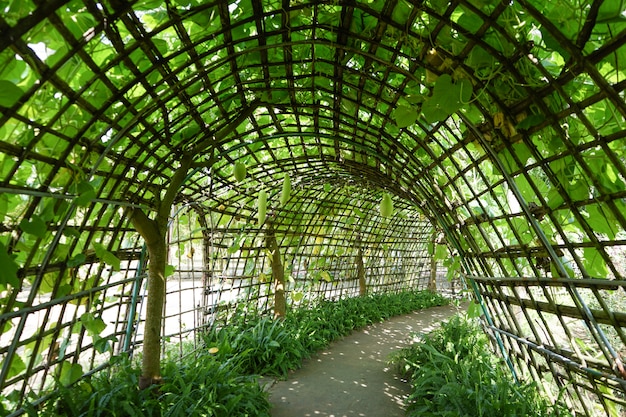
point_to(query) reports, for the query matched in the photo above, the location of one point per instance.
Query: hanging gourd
(386, 206)
(239, 171)
(262, 207)
(286, 192)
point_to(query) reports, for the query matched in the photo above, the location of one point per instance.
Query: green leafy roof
(501, 124)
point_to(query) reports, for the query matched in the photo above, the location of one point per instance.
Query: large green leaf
(554, 198)
(553, 44)
(522, 226)
(4, 206)
(405, 116)
(441, 252)
(8, 269)
(93, 325)
(9, 93)
(106, 256)
(448, 97)
(17, 366)
(86, 194)
(601, 220)
(611, 11)
(77, 260)
(35, 226)
(70, 373)
(594, 263)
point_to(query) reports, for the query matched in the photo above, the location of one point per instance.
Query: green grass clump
(221, 379)
(453, 372)
(201, 386)
(264, 346)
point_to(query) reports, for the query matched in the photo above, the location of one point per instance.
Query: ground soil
(351, 377)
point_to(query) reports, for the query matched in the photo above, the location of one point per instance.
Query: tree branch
(172, 190)
(147, 228)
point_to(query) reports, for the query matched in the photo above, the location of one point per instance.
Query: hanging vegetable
(262, 207)
(239, 171)
(386, 206)
(286, 192)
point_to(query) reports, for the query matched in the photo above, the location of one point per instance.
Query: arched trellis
(101, 101)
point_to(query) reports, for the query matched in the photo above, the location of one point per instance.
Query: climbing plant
(499, 125)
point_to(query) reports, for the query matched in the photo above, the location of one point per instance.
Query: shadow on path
(351, 377)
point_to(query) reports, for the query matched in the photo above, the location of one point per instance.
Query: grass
(267, 347)
(453, 372)
(202, 386)
(222, 378)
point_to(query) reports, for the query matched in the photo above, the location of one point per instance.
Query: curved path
(351, 377)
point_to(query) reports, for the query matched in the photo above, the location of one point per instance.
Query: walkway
(351, 377)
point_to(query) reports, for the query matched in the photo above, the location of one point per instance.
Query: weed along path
(351, 377)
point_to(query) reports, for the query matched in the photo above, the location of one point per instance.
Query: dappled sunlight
(351, 377)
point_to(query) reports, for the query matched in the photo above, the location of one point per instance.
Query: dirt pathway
(351, 377)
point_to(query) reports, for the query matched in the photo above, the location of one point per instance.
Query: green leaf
(441, 252)
(17, 366)
(530, 121)
(478, 59)
(553, 44)
(8, 269)
(249, 267)
(554, 198)
(49, 281)
(594, 263)
(447, 98)
(86, 194)
(35, 226)
(4, 206)
(169, 270)
(102, 344)
(7, 326)
(433, 112)
(9, 93)
(236, 245)
(107, 257)
(297, 296)
(602, 221)
(76, 261)
(578, 191)
(566, 265)
(611, 11)
(609, 180)
(401, 12)
(453, 263)
(470, 21)
(474, 309)
(93, 325)
(524, 231)
(274, 344)
(70, 373)
(405, 116)
(326, 276)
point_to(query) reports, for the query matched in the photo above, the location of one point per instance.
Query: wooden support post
(360, 271)
(432, 282)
